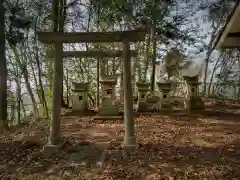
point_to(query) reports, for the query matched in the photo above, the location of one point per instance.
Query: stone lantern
(79, 96)
(108, 108)
(108, 86)
(194, 101)
(164, 88)
(143, 88)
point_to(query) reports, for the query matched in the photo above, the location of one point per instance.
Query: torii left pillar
(54, 137)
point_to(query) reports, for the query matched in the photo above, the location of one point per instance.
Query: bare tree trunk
(238, 83)
(208, 54)
(221, 71)
(3, 72)
(139, 73)
(98, 87)
(27, 83)
(102, 68)
(35, 80)
(30, 92)
(61, 20)
(121, 86)
(147, 58)
(26, 55)
(18, 94)
(41, 93)
(154, 55)
(13, 113)
(23, 108)
(67, 86)
(213, 72)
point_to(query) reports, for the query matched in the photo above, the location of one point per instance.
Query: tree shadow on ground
(181, 162)
(21, 159)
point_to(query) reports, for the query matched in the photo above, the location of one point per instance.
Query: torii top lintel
(93, 37)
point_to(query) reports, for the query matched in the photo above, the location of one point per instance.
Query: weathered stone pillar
(56, 107)
(142, 105)
(108, 108)
(194, 101)
(54, 137)
(165, 98)
(79, 96)
(129, 142)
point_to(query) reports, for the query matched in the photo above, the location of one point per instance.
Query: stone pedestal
(50, 148)
(142, 105)
(41, 111)
(79, 96)
(108, 108)
(194, 101)
(164, 88)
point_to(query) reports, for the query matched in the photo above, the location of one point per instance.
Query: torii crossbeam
(96, 54)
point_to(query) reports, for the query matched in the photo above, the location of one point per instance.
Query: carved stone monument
(108, 108)
(194, 102)
(164, 88)
(79, 96)
(143, 88)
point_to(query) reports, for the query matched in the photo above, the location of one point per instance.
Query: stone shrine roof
(80, 86)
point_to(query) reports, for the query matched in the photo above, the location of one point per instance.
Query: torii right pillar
(194, 100)
(129, 142)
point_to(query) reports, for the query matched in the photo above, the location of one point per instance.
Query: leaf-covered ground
(203, 145)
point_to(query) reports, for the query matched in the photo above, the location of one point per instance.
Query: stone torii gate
(125, 37)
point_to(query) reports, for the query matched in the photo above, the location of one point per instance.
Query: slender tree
(3, 70)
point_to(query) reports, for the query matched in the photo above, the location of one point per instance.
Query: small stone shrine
(143, 88)
(79, 96)
(164, 88)
(40, 108)
(195, 101)
(108, 108)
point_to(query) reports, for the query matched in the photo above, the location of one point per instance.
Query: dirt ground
(203, 145)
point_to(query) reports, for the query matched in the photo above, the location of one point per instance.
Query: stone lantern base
(108, 111)
(142, 105)
(196, 103)
(165, 99)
